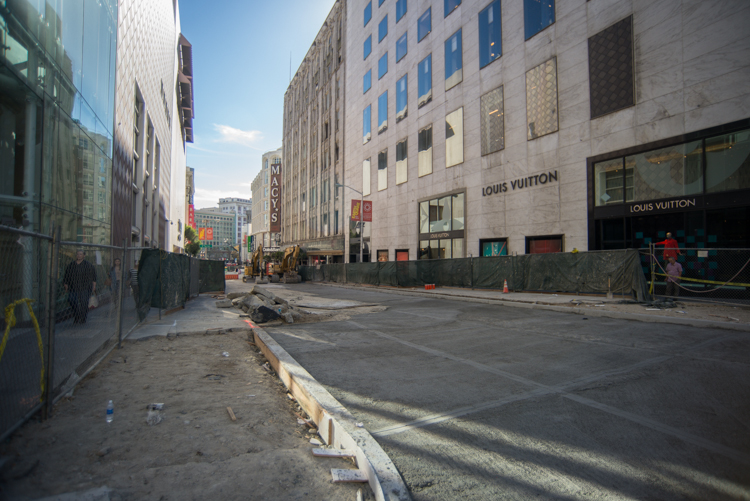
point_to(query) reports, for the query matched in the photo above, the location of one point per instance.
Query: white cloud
(231, 135)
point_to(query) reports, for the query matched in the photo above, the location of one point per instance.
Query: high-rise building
(263, 202)
(242, 209)
(314, 109)
(217, 233)
(153, 113)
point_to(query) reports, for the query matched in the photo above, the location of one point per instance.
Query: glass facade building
(56, 116)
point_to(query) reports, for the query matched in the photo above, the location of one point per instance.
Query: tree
(192, 242)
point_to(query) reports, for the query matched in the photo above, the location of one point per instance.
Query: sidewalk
(686, 313)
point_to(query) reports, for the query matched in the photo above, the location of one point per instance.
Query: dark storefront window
(490, 34)
(728, 162)
(544, 245)
(494, 247)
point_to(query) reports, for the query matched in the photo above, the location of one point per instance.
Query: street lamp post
(361, 209)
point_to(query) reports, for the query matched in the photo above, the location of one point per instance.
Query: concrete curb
(688, 322)
(336, 426)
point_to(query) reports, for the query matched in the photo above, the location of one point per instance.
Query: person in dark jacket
(79, 282)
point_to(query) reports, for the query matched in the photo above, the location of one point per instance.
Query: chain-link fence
(67, 304)
(704, 274)
(597, 272)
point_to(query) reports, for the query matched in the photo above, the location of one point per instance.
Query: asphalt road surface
(475, 401)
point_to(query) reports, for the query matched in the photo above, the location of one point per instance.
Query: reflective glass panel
(667, 172)
(728, 162)
(453, 62)
(401, 86)
(367, 47)
(382, 170)
(425, 81)
(541, 99)
(609, 182)
(424, 217)
(450, 5)
(400, 9)
(367, 81)
(366, 123)
(458, 211)
(537, 15)
(425, 151)
(401, 168)
(368, 13)
(458, 248)
(454, 138)
(490, 34)
(383, 28)
(383, 112)
(383, 66)
(401, 48)
(366, 177)
(425, 24)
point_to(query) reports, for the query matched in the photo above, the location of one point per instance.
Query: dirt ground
(195, 452)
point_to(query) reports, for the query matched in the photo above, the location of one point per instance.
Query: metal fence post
(471, 268)
(161, 289)
(652, 258)
(51, 318)
(121, 299)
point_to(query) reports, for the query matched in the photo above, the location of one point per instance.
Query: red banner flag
(366, 212)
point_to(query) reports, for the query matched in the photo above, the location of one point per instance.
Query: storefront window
(458, 211)
(424, 217)
(440, 214)
(667, 172)
(609, 182)
(728, 162)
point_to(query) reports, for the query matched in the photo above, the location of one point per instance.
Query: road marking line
(542, 390)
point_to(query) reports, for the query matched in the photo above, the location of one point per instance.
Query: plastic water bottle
(110, 411)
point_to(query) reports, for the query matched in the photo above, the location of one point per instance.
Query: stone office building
(312, 214)
(493, 127)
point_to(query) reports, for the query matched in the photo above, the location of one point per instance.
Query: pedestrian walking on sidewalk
(79, 282)
(674, 272)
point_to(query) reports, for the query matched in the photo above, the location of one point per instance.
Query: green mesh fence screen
(167, 280)
(584, 272)
(212, 276)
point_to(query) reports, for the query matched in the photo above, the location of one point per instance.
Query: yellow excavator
(254, 269)
(287, 270)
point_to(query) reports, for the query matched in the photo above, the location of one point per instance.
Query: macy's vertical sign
(275, 208)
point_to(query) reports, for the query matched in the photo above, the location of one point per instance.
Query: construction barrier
(584, 272)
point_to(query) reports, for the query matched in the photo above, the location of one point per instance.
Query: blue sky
(241, 54)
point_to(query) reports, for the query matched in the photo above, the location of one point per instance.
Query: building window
(382, 66)
(402, 254)
(401, 98)
(401, 168)
(425, 24)
(443, 216)
(380, 2)
(492, 124)
(453, 62)
(490, 34)
(400, 9)
(454, 138)
(382, 256)
(541, 99)
(425, 81)
(537, 15)
(728, 162)
(611, 84)
(383, 112)
(425, 151)
(493, 247)
(366, 177)
(367, 47)
(367, 81)
(451, 5)
(366, 132)
(383, 170)
(401, 48)
(368, 13)
(383, 29)
(544, 245)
